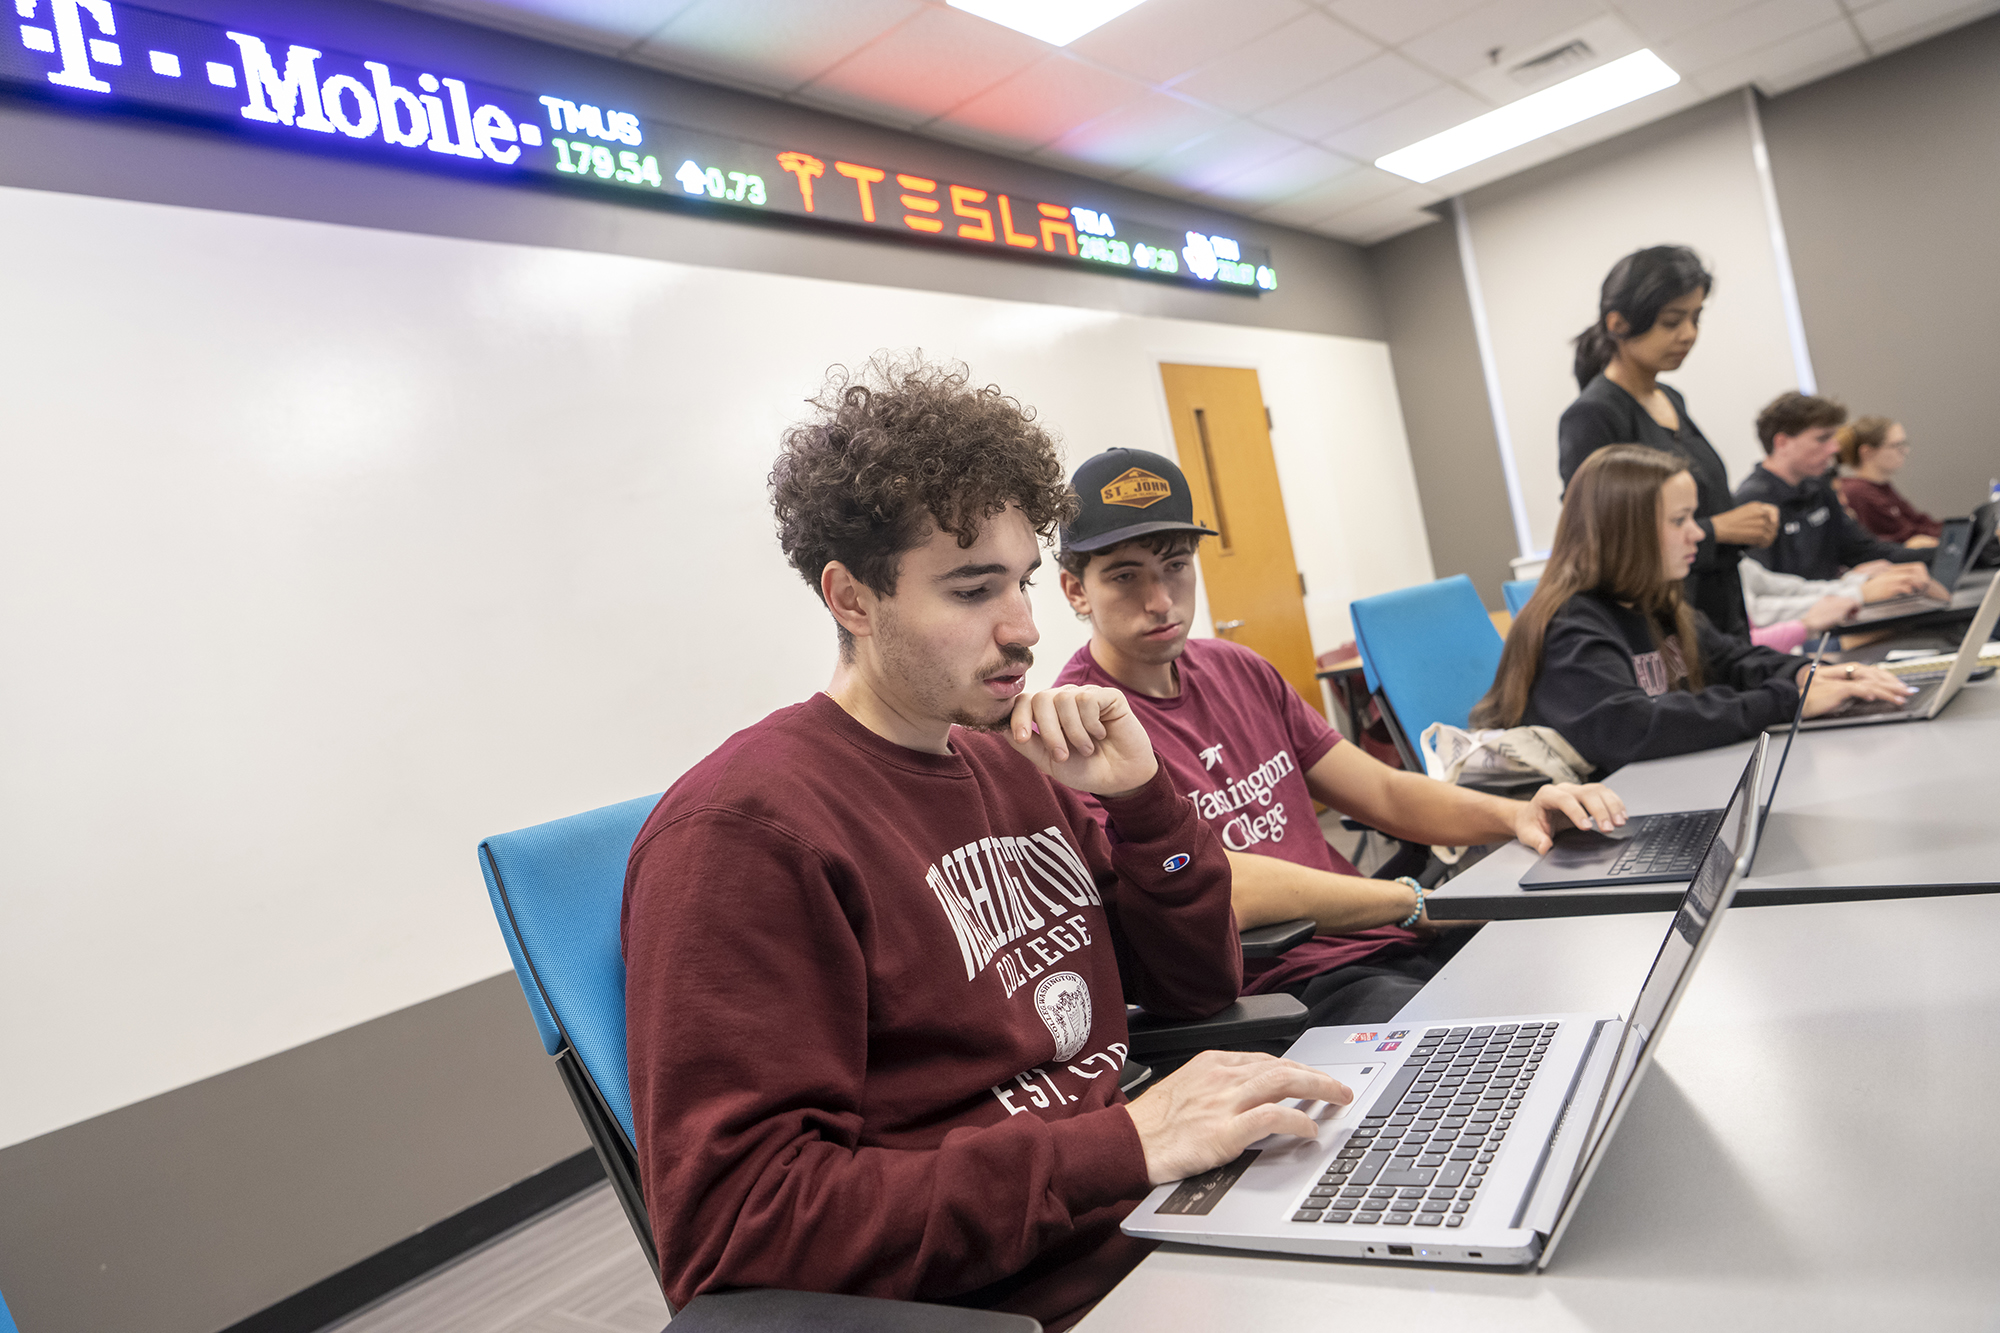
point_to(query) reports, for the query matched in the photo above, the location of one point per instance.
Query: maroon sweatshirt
(875, 1007)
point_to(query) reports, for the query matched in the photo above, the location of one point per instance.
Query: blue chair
(1428, 654)
(557, 890)
(1517, 592)
(6, 1319)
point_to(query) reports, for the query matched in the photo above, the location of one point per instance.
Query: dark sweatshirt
(1817, 538)
(1604, 414)
(875, 1004)
(1617, 698)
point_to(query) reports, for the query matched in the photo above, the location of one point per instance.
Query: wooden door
(1255, 592)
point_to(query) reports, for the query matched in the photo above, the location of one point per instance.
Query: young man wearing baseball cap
(1253, 756)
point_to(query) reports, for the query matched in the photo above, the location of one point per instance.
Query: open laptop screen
(1706, 896)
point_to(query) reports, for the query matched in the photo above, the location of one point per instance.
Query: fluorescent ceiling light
(1057, 22)
(1608, 86)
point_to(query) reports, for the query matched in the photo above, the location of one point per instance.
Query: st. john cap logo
(1137, 488)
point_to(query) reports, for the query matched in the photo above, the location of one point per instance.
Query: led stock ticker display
(96, 52)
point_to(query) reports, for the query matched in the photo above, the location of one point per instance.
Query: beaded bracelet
(1419, 890)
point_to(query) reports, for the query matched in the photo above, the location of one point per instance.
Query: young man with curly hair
(1254, 756)
(878, 950)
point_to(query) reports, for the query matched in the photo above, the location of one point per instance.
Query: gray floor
(575, 1269)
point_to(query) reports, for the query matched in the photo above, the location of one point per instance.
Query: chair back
(1517, 592)
(6, 1320)
(1430, 652)
(557, 890)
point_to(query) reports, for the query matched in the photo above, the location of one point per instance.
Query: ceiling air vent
(1557, 64)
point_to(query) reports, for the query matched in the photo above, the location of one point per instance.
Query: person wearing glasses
(1873, 450)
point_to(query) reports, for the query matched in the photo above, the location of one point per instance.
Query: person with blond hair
(1609, 653)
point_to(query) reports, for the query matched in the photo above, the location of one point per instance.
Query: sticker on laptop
(1388, 1045)
(1359, 1037)
(1398, 1036)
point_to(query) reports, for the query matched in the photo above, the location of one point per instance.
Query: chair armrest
(1272, 940)
(768, 1310)
(1252, 1020)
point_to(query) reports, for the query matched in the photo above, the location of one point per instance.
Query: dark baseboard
(357, 1285)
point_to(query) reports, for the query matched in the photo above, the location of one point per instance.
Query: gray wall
(1452, 445)
(1888, 176)
(193, 1209)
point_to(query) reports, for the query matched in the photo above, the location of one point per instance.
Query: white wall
(328, 551)
(1545, 241)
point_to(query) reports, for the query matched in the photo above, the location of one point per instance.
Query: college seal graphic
(1063, 1001)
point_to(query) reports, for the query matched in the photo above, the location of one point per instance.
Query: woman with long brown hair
(1609, 653)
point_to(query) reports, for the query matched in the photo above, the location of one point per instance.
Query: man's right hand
(1213, 1107)
(1753, 524)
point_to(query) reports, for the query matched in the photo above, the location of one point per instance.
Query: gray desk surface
(1734, 1195)
(1898, 810)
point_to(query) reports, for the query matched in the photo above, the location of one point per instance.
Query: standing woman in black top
(1648, 314)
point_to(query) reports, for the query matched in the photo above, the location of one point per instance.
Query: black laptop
(1954, 549)
(1650, 849)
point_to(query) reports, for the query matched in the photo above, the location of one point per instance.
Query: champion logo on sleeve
(1178, 861)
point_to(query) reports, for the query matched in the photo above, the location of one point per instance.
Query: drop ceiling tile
(1663, 20)
(1893, 24)
(1824, 45)
(1747, 30)
(1163, 39)
(1391, 229)
(927, 66)
(1517, 29)
(1361, 186)
(1286, 177)
(1392, 22)
(1136, 133)
(1205, 163)
(593, 25)
(770, 43)
(1402, 209)
(1437, 110)
(1350, 97)
(1297, 55)
(1045, 101)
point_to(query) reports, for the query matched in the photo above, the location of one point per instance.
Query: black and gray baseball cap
(1127, 493)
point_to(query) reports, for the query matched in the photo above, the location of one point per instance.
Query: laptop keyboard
(1669, 845)
(1420, 1155)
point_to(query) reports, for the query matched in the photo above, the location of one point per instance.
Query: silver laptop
(1930, 699)
(1469, 1141)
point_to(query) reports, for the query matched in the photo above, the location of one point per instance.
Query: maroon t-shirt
(1239, 740)
(875, 1017)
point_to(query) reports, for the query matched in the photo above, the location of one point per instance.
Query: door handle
(1224, 626)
